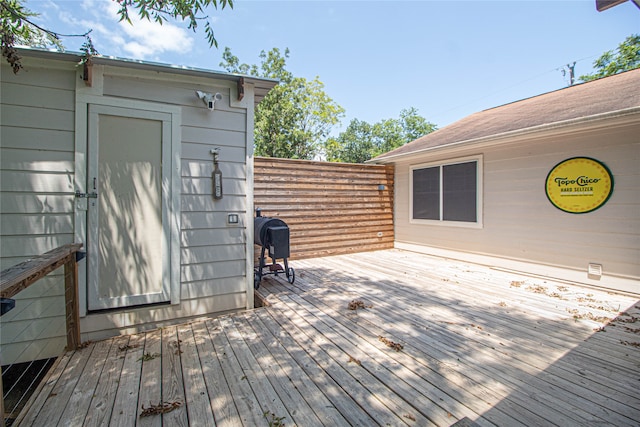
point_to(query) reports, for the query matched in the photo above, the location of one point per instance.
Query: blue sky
(448, 59)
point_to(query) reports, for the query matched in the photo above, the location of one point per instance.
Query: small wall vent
(595, 271)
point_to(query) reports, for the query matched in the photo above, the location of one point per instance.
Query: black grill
(272, 235)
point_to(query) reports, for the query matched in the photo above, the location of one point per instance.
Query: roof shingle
(606, 95)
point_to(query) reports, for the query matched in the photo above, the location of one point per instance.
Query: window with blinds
(446, 192)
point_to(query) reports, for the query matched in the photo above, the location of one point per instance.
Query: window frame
(479, 190)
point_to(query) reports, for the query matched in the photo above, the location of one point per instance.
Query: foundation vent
(595, 270)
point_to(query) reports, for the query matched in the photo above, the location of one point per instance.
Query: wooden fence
(330, 208)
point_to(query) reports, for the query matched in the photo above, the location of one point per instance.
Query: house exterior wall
(42, 147)
(521, 229)
(36, 200)
(213, 261)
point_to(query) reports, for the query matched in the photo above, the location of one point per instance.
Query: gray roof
(261, 85)
(593, 99)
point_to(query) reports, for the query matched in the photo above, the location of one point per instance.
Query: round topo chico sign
(579, 185)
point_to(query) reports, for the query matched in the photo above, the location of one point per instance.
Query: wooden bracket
(240, 88)
(87, 72)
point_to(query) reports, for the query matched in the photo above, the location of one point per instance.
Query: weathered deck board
(80, 400)
(301, 412)
(485, 346)
(554, 336)
(104, 396)
(245, 400)
(151, 378)
(224, 411)
(36, 403)
(406, 367)
(376, 399)
(126, 402)
(300, 353)
(172, 383)
(523, 355)
(56, 402)
(199, 408)
(304, 395)
(268, 399)
(563, 400)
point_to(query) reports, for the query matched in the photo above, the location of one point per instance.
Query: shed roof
(586, 100)
(261, 85)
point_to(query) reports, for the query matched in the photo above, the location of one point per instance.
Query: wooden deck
(475, 345)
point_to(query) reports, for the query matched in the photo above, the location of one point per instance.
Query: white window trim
(479, 190)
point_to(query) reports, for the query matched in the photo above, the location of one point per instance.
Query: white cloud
(142, 40)
(150, 38)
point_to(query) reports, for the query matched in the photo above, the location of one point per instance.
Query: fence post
(71, 303)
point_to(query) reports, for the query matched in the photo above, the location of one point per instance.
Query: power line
(518, 84)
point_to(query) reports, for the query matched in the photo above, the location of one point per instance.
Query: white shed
(118, 156)
(483, 189)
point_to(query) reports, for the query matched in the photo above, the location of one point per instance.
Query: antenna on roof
(571, 68)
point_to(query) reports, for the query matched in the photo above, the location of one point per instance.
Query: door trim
(172, 204)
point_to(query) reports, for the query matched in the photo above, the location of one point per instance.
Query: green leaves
(362, 141)
(625, 57)
(295, 119)
(16, 27)
(161, 11)
(87, 48)
(295, 116)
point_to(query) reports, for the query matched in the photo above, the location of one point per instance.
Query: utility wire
(514, 85)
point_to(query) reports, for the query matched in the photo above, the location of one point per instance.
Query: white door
(127, 244)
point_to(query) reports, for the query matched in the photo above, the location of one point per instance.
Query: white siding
(36, 200)
(37, 178)
(213, 260)
(520, 223)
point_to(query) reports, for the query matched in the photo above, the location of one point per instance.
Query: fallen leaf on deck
(127, 347)
(394, 345)
(354, 360)
(160, 408)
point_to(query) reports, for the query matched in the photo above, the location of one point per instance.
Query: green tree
(354, 145)
(295, 116)
(16, 28)
(625, 57)
(16, 25)
(362, 141)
